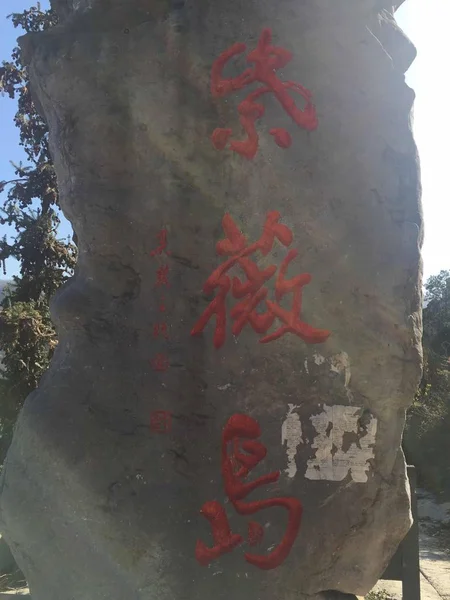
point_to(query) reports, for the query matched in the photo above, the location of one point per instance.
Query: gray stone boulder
(7, 562)
(224, 412)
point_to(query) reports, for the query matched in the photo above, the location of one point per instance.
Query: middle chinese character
(252, 291)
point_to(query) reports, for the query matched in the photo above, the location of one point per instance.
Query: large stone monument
(237, 349)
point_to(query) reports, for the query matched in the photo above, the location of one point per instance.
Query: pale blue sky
(427, 28)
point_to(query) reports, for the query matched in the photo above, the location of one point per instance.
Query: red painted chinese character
(162, 244)
(162, 304)
(241, 433)
(267, 59)
(162, 275)
(160, 363)
(291, 319)
(161, 421)
(252, 292)
(255, 533)
(224, 540)
(161, 329)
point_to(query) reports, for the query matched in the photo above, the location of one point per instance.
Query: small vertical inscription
(160, 362)
(161, 421)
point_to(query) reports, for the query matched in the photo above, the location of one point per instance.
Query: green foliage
(427, 437)
(437, 314)
(28, 335)
(31, 207)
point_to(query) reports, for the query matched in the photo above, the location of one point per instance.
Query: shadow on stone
(12, 580)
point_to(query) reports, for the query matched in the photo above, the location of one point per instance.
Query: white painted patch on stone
(330, 462)
(340, 363)
(291, 436)
(224, 387)
(319, 359)
(306, 365)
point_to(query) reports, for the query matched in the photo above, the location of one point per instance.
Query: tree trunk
(246, 306)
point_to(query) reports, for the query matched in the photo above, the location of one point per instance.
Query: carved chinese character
(252, 291)
(255, 533)
(241, 433)
(267, 59)
(161, 330)
(160, 363)
(162, 276)
(161, 421)
(224, 540)
(291, 319)
(162, 244)
(162, 304)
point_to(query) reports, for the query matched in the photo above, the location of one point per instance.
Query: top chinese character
(267, 59)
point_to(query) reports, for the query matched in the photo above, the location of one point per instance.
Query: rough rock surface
(94, 503)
